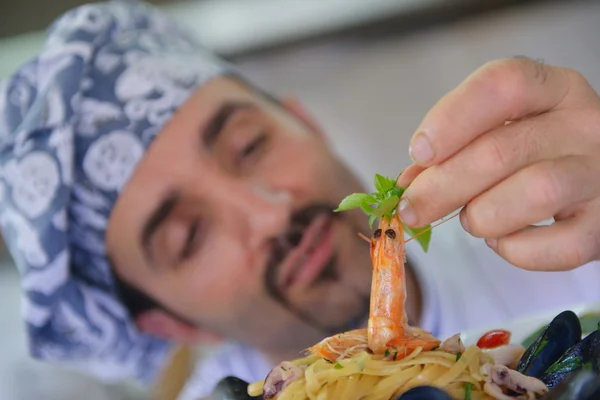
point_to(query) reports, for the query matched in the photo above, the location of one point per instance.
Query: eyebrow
(217, 122)
(158, 216)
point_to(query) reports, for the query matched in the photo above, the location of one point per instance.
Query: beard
(329, 275)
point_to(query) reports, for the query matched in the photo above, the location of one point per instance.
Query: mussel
(231, 388)
(582, 385)
(562, 333)
(583, 355)
(424, 393)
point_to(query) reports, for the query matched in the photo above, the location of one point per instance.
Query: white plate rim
(522, 327)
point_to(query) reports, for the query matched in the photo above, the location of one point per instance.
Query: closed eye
(252, 148)
(190, 241)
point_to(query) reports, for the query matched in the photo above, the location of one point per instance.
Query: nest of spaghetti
(562, 360)
(461, 372)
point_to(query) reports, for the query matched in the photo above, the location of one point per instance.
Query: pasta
(369, 377)
(467, 374)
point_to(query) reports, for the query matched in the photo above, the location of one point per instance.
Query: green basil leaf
(383, 183)
(386, 207)
(423, 238)
(372, 219)
(396, 191)
(355, 200)
(382, 204)
(367, 209)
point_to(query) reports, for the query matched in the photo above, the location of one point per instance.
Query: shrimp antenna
(363, 237)
(433, 226)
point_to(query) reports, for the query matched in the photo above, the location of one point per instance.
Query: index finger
(500, 91)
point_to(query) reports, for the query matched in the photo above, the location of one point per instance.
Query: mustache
(291, 238)
(300, 221)
(287, 242)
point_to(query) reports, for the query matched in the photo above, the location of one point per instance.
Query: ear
(294, 106)
(162, 325)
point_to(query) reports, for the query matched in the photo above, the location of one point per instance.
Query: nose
(264, 212)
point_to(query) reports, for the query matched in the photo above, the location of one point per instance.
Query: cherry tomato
(495, 338)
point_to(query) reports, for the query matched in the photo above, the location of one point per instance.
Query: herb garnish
(382, 204)
(468, 388)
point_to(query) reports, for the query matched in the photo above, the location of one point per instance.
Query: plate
(523, 327)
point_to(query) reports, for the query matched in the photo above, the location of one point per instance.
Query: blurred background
(367, 69)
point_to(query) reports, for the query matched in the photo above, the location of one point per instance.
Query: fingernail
(407, 213)
(420, 149)
(491, 243)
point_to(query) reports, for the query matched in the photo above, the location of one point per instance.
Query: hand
(517, 143)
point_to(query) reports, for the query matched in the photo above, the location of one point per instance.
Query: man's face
(228, 223)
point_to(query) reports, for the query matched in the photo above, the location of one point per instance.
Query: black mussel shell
(582, 385)
(424, 393)
(231, 388)
(584, 355)
(561, 334)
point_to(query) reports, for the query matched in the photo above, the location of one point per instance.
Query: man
(152, 195)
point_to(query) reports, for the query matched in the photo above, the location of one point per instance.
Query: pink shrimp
(388, 323)
(387, 331)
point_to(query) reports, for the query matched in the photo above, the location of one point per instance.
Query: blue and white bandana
(74, 123)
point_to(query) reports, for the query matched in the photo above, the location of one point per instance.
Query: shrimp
(343, 345)
(387, 330)
(388, 323)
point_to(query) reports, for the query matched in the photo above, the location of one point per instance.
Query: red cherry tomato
(495, 338)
